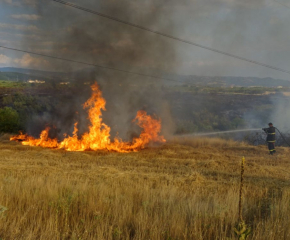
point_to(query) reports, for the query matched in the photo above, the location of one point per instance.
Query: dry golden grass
(175, 191)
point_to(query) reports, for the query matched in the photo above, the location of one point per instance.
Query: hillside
(29, 71)
(228, 81)
(10, 73)
(21, 74)
(185, 189)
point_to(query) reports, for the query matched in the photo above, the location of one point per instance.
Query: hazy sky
(254, 29)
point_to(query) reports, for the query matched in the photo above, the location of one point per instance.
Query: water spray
(236, 131)
(223, 132)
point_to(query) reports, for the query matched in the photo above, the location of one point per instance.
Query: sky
(253, 29)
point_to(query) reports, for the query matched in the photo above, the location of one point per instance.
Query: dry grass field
(185, 189)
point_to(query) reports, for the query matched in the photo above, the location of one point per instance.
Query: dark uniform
(271, 139)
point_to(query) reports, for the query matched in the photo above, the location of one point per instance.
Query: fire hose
(282, 137)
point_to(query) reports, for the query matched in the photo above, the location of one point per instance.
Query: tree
(9, 120)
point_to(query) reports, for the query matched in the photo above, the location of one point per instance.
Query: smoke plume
(88, 38)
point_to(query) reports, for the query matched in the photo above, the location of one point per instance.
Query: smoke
(252, 29)
(274, 108)
(88, 38)
(280, 116)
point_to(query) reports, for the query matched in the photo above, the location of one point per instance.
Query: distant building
(35, 81)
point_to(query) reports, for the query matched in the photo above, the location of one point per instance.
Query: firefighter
(270, 138)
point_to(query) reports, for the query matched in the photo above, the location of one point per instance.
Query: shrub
(9, 120)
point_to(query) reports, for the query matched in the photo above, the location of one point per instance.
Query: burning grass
(98, 136)
(171, 192)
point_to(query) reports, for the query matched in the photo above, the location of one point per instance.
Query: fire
(98, 136)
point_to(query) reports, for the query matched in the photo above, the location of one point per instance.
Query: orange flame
(98, 136)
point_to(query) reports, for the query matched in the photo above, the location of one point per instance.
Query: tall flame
(98, 136)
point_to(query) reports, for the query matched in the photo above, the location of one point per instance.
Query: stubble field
(185, 189)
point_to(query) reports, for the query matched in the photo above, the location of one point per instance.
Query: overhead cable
(170, 36)
(89, 64)
(282, 4)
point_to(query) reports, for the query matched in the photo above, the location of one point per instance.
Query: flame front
(98, 136)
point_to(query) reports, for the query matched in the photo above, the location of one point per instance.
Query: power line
(89, 64)
(170, 36)
(284, 5)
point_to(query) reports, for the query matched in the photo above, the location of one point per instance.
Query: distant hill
(29, 71)
(235, 81)
(22, 74)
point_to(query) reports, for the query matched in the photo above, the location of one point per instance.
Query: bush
(9, 120)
